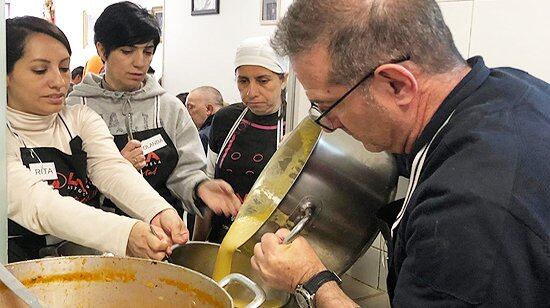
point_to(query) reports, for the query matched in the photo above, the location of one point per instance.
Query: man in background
(202, 104)
(76, 77)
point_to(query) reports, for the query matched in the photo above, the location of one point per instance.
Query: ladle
(18, 288)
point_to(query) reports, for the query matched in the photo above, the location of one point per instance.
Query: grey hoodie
(173, 116)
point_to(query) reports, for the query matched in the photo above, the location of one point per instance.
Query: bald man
(202, 104)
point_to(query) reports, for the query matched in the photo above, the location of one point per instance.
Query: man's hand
(284, 266)
(144, 244)
(134, 154)
(219, 196)
(170, 222)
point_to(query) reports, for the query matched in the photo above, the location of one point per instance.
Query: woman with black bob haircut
(125, 24)
(59, 158)
(151, 128)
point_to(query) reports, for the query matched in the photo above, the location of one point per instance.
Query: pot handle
(308, 213)
(259, 294)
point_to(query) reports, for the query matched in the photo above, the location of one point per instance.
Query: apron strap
(67, 127)
(231, 131)
(157, 110)
(280, 125)
(417, 165)
(15, 134)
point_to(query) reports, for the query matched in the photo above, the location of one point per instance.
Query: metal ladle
(18, 288)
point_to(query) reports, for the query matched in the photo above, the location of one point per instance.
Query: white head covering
(258, 51)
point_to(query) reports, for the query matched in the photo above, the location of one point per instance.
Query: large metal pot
(201, 257)
(328, 188)
(99, 281)
(67, 248)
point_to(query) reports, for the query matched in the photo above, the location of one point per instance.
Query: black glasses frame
(343, 97)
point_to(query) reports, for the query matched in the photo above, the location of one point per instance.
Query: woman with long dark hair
(60, 158)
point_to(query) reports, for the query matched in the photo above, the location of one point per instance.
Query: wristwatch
(305, 293)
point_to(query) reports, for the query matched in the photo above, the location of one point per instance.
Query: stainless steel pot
(67, 248)
(201, 257)
(331, 194)
(99, 281)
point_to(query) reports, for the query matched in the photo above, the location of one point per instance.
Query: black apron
(240, 171)
(392, 214)
(160, 163)
(72, 180)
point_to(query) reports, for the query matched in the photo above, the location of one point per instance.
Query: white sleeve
(211, 158)
(38, 207)
(189, 170)
(113, 175)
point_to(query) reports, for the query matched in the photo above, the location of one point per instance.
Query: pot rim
(142, 260)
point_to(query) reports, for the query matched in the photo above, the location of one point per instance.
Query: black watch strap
(315, 282)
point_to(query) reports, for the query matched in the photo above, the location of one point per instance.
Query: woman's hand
(134, 154)
(144, 244)
(172, 224)
(219, 196)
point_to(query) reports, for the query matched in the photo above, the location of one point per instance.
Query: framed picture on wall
(158, 13)
(88, 22)
(270, 12)
(205, 7)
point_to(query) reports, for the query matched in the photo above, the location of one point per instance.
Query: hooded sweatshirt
(35, 205)
(173, 117)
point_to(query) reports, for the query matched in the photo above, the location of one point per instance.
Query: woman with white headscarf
(244, 136)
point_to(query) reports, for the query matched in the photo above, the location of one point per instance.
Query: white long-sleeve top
(38, 207)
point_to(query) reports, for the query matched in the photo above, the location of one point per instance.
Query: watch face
(301, 300)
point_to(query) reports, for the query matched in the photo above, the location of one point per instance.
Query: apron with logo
(240, 171)
(161, 157)
(65, 173)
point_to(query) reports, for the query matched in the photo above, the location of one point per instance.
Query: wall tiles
(366, 269)
(355, 289)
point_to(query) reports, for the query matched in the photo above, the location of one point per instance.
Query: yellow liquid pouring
(272, 185)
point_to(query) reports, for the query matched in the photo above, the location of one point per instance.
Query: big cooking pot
(201, 257)
(100, 281)
(327, 188)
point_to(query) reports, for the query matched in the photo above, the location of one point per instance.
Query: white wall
(26, 7)
(199, 50)
(513, 33)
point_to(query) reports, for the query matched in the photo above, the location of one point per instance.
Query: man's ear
(101, 51)
(209, 109)
(398, 82)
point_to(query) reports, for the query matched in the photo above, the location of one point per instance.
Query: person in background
(183, 97)
(202, 104)
(151, 128)
(474, 228)
(245, 135)
(60, 158)
(94, 65)
(76, 77)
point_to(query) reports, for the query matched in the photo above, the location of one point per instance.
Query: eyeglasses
(320, 116)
